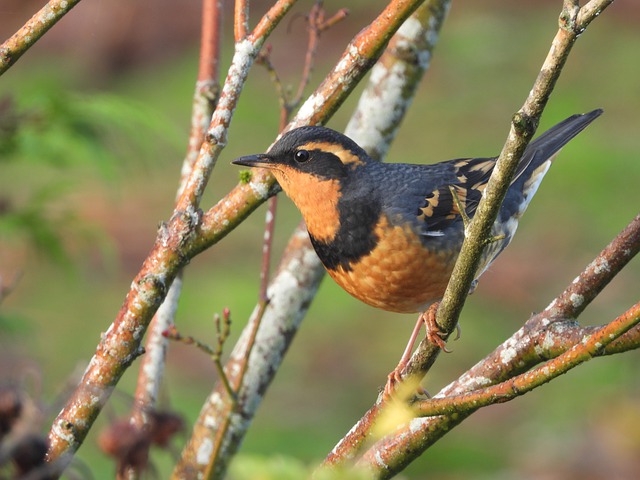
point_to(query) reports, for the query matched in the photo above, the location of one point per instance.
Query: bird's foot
(434, 334)
(394, 381)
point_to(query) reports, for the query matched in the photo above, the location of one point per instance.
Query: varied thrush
(390, 233)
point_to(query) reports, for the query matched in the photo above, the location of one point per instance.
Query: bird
(390, 233)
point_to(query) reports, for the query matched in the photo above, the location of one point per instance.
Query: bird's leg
(434, 334)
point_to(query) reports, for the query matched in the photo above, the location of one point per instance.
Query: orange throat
(317, 200)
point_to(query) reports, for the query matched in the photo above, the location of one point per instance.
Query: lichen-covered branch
(14, 47)
(395, 79)
(545, 335)
(291, 291)
(120, 344)
(554, 327)
(591, 345)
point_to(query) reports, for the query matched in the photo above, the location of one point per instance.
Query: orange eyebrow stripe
(345, 156)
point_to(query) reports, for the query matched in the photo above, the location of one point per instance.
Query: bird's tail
(538, 156)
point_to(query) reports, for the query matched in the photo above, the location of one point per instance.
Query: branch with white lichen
(590, 345)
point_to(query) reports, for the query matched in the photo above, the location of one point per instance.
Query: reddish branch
(241, 23)
(207, 85)
(316, 25)
(13, 48)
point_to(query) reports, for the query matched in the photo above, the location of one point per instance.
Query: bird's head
(312, 165)
(309, 151)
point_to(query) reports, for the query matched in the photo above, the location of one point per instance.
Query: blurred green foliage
(50, 126)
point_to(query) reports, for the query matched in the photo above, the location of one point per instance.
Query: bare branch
(590, 11)
(13, 48)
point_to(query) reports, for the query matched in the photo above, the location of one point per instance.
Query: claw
(458, 332)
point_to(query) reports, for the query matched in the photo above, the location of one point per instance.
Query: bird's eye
(301, 156)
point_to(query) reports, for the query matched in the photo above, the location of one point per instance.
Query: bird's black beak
(260, 160)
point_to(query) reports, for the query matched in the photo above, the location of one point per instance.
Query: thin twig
(13, 48)
(241, 20)
(222, 333)
(316, 24)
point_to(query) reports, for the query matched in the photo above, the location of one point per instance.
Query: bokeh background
(93, 127)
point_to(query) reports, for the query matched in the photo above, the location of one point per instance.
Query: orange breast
(399, 274)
